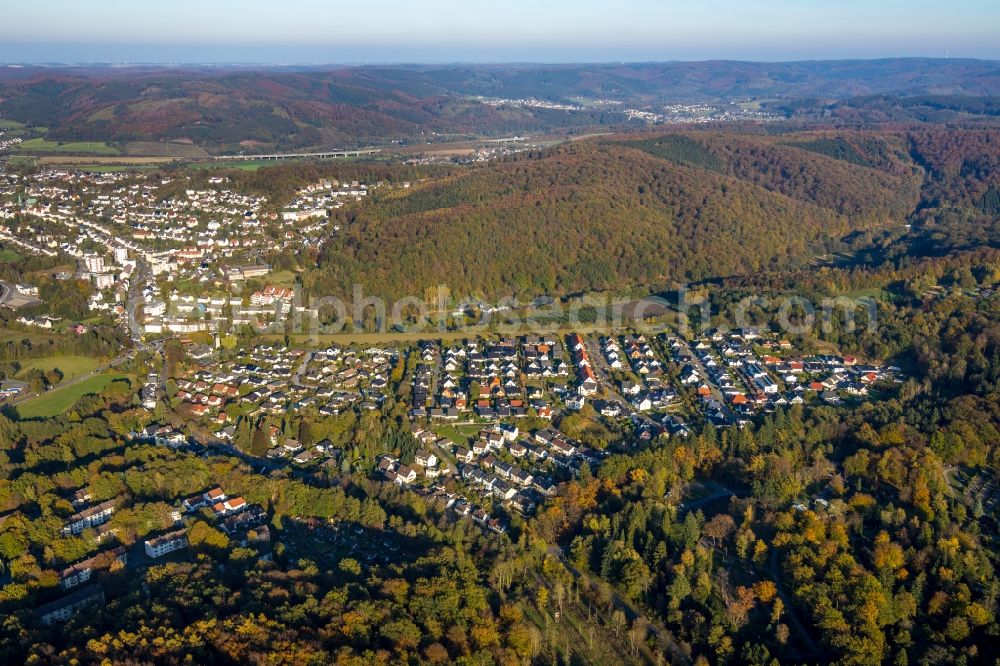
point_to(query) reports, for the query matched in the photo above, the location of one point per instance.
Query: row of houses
(89, 517)
(80, 572)
(588, 380)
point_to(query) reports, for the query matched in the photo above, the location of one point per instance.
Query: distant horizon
(470, 63)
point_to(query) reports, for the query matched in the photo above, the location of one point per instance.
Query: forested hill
(259, 109)
(626, 213)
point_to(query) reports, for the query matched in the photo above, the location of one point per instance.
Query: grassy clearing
(250, 165)
(58, 400)
(461, 434)
(10, 124)
(65, 268)
(282, 279)
(107, 113)
(71, 366)
(8, 255)
(36, 337)
(45, 146)
(109, 168)
(875, 293)
(21, 161)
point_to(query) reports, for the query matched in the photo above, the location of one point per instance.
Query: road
(773, 572)
(716, 392)
(13, 299)
(600, 367)
(297, 377)
(27, 246)
(677, 655)
(141, 275)
(719, 491)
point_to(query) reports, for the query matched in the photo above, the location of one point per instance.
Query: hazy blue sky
(315, 31)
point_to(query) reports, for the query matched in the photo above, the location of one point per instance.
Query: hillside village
(132, 234)
(483, 410)
(496, 423)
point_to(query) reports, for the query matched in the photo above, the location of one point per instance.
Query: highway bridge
(292, 156)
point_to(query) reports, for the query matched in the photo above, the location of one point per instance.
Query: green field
(8, 255)
(9, 124)
(253, 165)
(36, 337)
(45, 146)
(21, 160)
(71, 366)
(874, 293)
(106, 168)
(228, 164)
(281, 279)
(58, 400)
(461, 435)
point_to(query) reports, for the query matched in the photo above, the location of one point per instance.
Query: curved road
(9, 292)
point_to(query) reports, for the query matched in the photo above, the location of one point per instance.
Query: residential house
(61, 610)
(166, 543)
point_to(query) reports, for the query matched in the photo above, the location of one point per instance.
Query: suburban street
(139, 277)
(716, 393)
(297, 377)
(600, 366)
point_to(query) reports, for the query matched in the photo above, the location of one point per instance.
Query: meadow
(71, 366)
(9, 256)
(39, 145)
(58, 400)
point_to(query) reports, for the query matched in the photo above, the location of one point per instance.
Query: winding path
(774, 571)
(677, 654)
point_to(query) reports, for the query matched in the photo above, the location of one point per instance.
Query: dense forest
(624, 214)
(850, 532)
(896, 563)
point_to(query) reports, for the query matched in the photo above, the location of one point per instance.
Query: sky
(434, 31)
